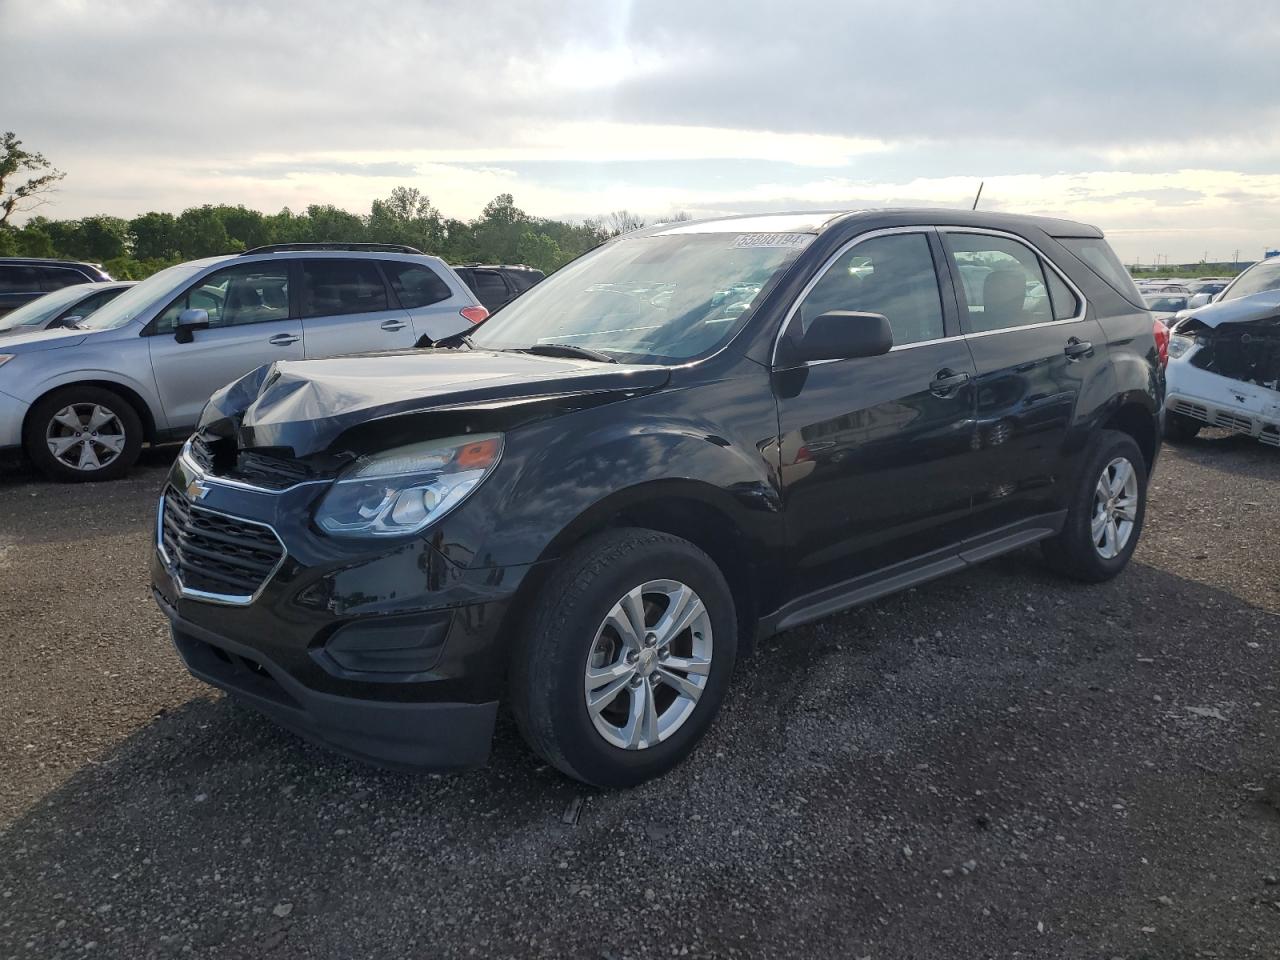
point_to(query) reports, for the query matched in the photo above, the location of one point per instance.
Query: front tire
(79, 434)
(1179, 428)
(1105, 516)
(626, 657)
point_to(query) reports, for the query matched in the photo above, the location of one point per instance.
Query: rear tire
(1101, 533)
(1179, 428)
(83, 433)
(656, 688)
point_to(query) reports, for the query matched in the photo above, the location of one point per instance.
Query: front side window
(18, 279)
(96, 300)
(55, 278)
(40, 311)
(647, 299)
(415, 284)
(244, 294)
(334, 287)
(891, 275)
(1003, 282)
(1259, 278)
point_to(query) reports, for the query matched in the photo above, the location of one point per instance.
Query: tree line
(136, 248)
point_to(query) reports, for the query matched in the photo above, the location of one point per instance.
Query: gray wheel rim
(85, 436)
(1115, 508)
(648, 664)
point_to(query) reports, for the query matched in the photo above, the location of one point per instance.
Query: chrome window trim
(199, 471)
(1081, 314)
(922, 229)
(223, 599)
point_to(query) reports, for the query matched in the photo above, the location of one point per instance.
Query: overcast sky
(1160, 122)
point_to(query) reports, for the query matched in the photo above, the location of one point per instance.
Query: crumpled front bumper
(1219, 401)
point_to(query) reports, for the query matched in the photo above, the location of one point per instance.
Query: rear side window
(1102, 260)
(1065, 303)
(55, 278)
(489, 287)
(893, 276)
(1003, 282)
(333, 287)
(522, 280)
(415, 284)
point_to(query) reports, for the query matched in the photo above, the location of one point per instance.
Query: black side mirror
(189, 321)
(844, 335)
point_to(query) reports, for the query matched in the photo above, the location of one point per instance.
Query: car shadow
(917, 716)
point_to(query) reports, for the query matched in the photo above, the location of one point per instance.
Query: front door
(876, 452)
(249, 325)
(1037, 350)
(346, 308)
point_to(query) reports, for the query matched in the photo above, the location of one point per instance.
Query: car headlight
(1178, 345)
(403, 490)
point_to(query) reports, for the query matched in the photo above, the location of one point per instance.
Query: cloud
(1160, 131)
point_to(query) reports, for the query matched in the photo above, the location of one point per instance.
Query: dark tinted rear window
(522, 280)
(488, 286)
(1102, 260)
(416, 285)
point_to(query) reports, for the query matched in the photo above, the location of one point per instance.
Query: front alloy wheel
(648, 664)
(85, 436)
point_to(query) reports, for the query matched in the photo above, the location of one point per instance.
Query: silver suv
(81, 401)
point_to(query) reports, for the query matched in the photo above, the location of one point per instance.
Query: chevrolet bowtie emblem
(197, 489)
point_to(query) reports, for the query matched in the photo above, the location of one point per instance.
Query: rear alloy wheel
(83, 433)
(1104, 517)
(626, 657)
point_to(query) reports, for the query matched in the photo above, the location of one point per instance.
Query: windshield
(647, 299)
(139, 297)
(1257, 279)
(43, 309)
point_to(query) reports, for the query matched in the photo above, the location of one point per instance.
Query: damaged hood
(309, 405)
(1260, 306)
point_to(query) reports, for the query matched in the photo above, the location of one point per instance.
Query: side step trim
(910, 573)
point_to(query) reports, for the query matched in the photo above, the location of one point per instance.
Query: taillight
(477, 313)
(1162, 341)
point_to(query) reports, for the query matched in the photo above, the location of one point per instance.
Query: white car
(1224, 368)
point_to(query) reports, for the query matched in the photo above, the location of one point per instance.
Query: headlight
(401, 491)
(1178, 345)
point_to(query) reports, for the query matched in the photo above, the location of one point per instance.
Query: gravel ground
(999, 764)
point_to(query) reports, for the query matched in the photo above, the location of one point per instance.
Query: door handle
(392, 325)
(1076, 348)
(946, 381)
(283, 339)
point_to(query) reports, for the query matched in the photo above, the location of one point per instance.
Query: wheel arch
(1138, 420)
(130, 396)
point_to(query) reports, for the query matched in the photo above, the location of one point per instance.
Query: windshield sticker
(773, 240)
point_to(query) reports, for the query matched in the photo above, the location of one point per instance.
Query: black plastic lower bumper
(396, 734)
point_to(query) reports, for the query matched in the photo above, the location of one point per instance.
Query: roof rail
(351, 247)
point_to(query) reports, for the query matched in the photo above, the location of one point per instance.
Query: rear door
(346, 307)
(431, 303)
(1036, 349)
(876, 452)
(249, 325)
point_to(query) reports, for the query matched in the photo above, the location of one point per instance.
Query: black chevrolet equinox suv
(694, 436)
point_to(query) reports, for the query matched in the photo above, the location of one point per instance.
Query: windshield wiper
(566, 350)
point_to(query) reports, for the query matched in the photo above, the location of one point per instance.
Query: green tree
(154, 236)
(97, 239)
(406, 216)
(245, 228)
(201, 233)
(8, 242)
(539, 250)
(16, 193)
(330, 224)
(34, 240)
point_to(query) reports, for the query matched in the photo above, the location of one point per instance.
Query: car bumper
(1219, 401)
(12, 413)
(388, 653)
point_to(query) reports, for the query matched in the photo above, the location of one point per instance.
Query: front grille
(214, 553)
(201, 453)
(1233, 421)
(1195, 410)
(265, 470)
